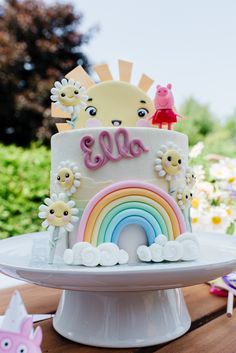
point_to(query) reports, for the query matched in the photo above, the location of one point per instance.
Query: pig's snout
(162, 92)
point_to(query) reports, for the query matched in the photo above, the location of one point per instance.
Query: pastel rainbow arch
(130, 202)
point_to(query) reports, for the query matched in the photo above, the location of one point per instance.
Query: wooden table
(211, 330)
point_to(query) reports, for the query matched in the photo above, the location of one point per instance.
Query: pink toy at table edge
(164, 104)
(23, 341)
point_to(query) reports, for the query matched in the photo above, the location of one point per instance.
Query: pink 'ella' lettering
(126, 148)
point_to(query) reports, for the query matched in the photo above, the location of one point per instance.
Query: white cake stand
(123, 306)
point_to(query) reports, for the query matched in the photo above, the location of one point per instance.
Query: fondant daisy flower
(170, 161)
(190, 177)
(184, 197)
(68, 177)
(69, 96)
(58, 213)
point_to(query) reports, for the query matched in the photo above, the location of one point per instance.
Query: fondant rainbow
(130, 202)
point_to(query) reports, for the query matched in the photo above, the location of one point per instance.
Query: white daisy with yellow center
(69, 96)
(68, 177)
(170, 161)
(58, 213)
(197, 219)
(218, 219)
(220, 171)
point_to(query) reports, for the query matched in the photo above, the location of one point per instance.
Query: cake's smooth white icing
(133, 159)
(65, 146)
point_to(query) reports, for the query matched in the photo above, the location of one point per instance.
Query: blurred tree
(39, 43)
(200, 121)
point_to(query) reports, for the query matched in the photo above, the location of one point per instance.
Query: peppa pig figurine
(26, 340)
(164, 104)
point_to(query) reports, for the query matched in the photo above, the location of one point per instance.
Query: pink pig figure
(21, 342)
(164, 104)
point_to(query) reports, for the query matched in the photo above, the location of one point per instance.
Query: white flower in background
(68, 177)
(230, 210)
(170, 161)
(198, 219)
(205, 187)
(58, 213)
(196, 150)
(199, 172)
(220, 171)
(69, 96)
(199, 201)
(217, 219)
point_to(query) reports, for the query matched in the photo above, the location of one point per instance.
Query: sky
(191, 44)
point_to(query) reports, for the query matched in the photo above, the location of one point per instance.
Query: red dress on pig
(166, 116)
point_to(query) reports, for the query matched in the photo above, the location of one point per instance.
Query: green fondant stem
(53, 244)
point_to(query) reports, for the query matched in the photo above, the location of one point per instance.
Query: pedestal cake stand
(122, 306)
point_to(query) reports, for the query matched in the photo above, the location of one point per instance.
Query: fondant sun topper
(110, 102)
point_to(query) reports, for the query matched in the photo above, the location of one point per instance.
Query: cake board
(122, 306)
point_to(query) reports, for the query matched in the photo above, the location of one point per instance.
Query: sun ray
(79, 74)
(57, 113)
(145, 83)
(125, 70)
(103, 72)
(63, 127)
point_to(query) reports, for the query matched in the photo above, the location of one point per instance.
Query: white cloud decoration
(184, 248)
(85, 254)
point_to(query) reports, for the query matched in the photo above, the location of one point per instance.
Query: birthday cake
(120, 182)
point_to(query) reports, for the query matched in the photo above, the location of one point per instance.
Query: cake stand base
(122, 319)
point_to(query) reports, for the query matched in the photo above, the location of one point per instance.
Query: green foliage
(231, 126)
(39, 44)
(199, 123)
(24, 183)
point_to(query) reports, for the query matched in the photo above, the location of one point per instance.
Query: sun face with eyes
(59, 214)
(190, 177)
(116, 103)
(65, 178)
(184, 197)
(69, 96)
(170, 161)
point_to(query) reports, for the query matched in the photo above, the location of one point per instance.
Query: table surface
(211, 330)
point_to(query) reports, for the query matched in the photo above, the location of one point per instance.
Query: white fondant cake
(125, 179)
